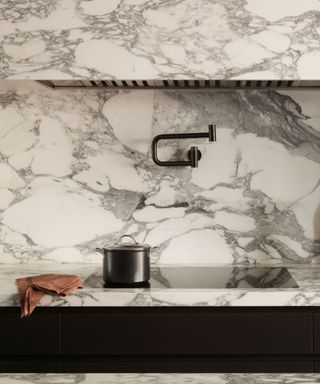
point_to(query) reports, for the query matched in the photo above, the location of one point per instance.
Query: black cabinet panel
(36, 335)
(237, 332)
(162, 339)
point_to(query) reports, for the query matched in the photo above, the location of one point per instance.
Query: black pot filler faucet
(194, 154)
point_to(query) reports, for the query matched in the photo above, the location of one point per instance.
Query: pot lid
(118, 246)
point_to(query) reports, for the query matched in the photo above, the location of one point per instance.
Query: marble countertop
(94, 295)
(155, 378)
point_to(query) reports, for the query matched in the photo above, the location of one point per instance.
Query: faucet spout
(212, 132)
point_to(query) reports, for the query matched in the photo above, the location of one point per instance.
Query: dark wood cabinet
(205, 332)
(161, 339)
(37, 335)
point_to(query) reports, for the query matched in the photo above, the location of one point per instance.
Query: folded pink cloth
(32, 289)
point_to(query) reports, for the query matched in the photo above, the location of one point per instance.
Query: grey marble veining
(163, 378)
(94, 295)
(76, 173)
(160, 39)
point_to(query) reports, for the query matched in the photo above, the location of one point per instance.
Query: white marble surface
(94, 295)
(160, 39)
(161, 378)
(76, 173)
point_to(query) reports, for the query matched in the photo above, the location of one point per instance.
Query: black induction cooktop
(216, 277)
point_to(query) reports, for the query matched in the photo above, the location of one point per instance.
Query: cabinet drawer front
(182, 333)
(36, 335)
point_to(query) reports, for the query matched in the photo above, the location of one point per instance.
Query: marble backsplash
(160, 39)
(76, 173)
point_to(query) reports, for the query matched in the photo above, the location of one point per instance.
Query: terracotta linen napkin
(32, 289)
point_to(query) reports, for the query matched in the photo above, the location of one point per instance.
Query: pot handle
(100, 250)
(131, 237)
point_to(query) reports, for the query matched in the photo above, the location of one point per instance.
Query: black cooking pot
(126, 263)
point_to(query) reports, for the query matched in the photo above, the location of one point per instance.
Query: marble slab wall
(160, 39)
(76, 173)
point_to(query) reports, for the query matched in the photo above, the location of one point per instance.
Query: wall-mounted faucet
(194, 154)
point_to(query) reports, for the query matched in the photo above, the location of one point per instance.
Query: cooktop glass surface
(221, 277)
(217, 277)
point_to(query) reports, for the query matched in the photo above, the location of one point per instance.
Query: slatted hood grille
(183, 84)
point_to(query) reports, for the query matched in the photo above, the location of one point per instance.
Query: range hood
(184, 84)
